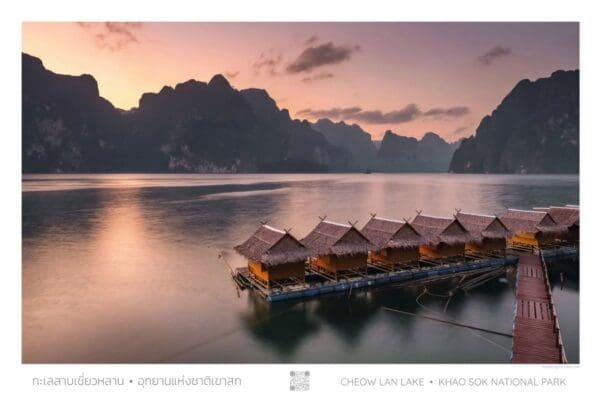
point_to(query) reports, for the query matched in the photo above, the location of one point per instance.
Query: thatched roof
(389, 233)
(519, 221)
(483, 226)
(437, 230)
(336, 238)
(272, 246)
(567, 216)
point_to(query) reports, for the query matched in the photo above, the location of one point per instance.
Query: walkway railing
(560, 344)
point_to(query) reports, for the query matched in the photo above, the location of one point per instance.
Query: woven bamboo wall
(487, 245)
(442, 250)
(277, 272)
(334, 263)
(396, 255)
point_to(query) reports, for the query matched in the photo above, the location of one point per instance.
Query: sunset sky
(407, 77)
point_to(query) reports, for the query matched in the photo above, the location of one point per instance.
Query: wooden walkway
(536, 333)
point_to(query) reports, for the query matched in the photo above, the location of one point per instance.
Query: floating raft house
(274, 256)
(444, 237)
(531, 228)
(488, 232)
(336, 257)
(337, 247)
(567, 216)
(395, 241)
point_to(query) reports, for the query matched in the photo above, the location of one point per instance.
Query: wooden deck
(319, 284)
(536, 333)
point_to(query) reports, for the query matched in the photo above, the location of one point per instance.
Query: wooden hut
(567, 216)
(395, 241)
(488, 232)
(336, 247)
(274, 256)
(444, 237)
(531, 228)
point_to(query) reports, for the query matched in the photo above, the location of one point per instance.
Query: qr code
(299, 380)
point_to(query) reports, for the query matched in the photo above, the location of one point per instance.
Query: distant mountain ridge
(194, 127)
(535, 129)
(213, 127)
(394, 153)
(352, 138)
(407, 154)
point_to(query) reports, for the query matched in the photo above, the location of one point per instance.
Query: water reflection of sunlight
(120, 234)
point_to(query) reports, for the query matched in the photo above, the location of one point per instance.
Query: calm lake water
(126, 268)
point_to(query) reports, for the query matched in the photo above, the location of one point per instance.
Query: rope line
(231, 273)
(449, 322)
(425, 291)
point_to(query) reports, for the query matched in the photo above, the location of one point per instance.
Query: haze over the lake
(407, 77)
